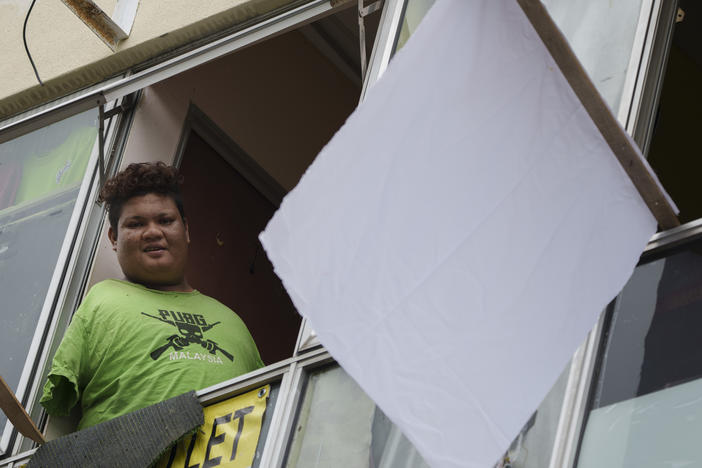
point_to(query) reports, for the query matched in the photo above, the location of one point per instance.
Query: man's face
(151, 241)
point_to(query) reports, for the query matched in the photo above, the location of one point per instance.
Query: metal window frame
(80, 268)
(647, 91)
(60, 295)
(384, 43)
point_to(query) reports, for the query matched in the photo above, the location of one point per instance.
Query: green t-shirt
(129, 347)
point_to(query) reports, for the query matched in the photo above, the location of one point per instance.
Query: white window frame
(60, 293)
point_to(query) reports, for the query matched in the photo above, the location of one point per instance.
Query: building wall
(69, 56)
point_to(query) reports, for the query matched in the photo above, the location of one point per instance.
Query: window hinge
(364, 11)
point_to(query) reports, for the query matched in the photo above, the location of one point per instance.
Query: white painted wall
(68, 55)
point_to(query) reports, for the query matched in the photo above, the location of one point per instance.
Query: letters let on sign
(227, 439)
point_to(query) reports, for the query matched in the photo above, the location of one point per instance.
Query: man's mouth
(154, 248)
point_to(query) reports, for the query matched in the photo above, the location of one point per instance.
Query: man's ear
(187, 231)
(112, 235)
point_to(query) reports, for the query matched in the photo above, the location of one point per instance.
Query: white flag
(455, 241)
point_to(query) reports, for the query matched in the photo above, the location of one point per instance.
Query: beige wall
(69, 56)
(280, 100)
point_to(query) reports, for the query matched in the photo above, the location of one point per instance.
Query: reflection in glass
(601, 33)
(338, 425)
(647, 405)
(40, 175)
(413, 14)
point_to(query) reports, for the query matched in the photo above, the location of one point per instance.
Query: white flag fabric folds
(458, 237)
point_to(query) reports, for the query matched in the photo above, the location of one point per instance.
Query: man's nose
(152, 231)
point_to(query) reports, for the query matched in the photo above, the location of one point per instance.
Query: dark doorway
(226, 213)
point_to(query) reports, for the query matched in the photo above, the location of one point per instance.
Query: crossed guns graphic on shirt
(189, 331)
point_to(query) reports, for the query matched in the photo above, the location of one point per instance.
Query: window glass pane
(601, 33)
(413, 14)
(40, 175)
(649, 378)
(338, 425)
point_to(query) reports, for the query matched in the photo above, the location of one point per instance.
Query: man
(151, 336)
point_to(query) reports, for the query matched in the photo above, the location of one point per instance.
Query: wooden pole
(615, 136)
(15, 412)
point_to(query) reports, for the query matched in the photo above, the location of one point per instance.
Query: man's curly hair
(140, 179)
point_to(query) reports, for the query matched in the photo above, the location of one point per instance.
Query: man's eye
(166, 220)
(134, 224)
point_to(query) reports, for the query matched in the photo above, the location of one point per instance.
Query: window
(646, 408)
(676, 119)
(243, 128)
(40, 178)
(338, 425)
(643, 404)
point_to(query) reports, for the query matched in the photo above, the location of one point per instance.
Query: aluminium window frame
(80, 268)
(61, 293)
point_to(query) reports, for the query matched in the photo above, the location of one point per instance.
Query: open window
(643, 399)
(243, 129)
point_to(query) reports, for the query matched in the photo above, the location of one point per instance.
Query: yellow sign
(229, 437)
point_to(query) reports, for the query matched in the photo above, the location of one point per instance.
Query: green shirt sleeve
(63, 387)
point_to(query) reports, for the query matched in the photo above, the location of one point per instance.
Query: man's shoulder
(117, 292)
(108, 287)
(212, 303)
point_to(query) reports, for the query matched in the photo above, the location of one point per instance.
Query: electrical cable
(24, 38)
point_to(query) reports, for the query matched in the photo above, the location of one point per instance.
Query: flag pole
(15, 412)
(615, 136)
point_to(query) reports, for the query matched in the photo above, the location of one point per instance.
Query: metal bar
(364, 11)
(384, 41)
(580, 406)
(618, 140)
(636, 65)
(674, 237)
(287, 387)
(101, 145)
(648, 97)
(362, 38)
